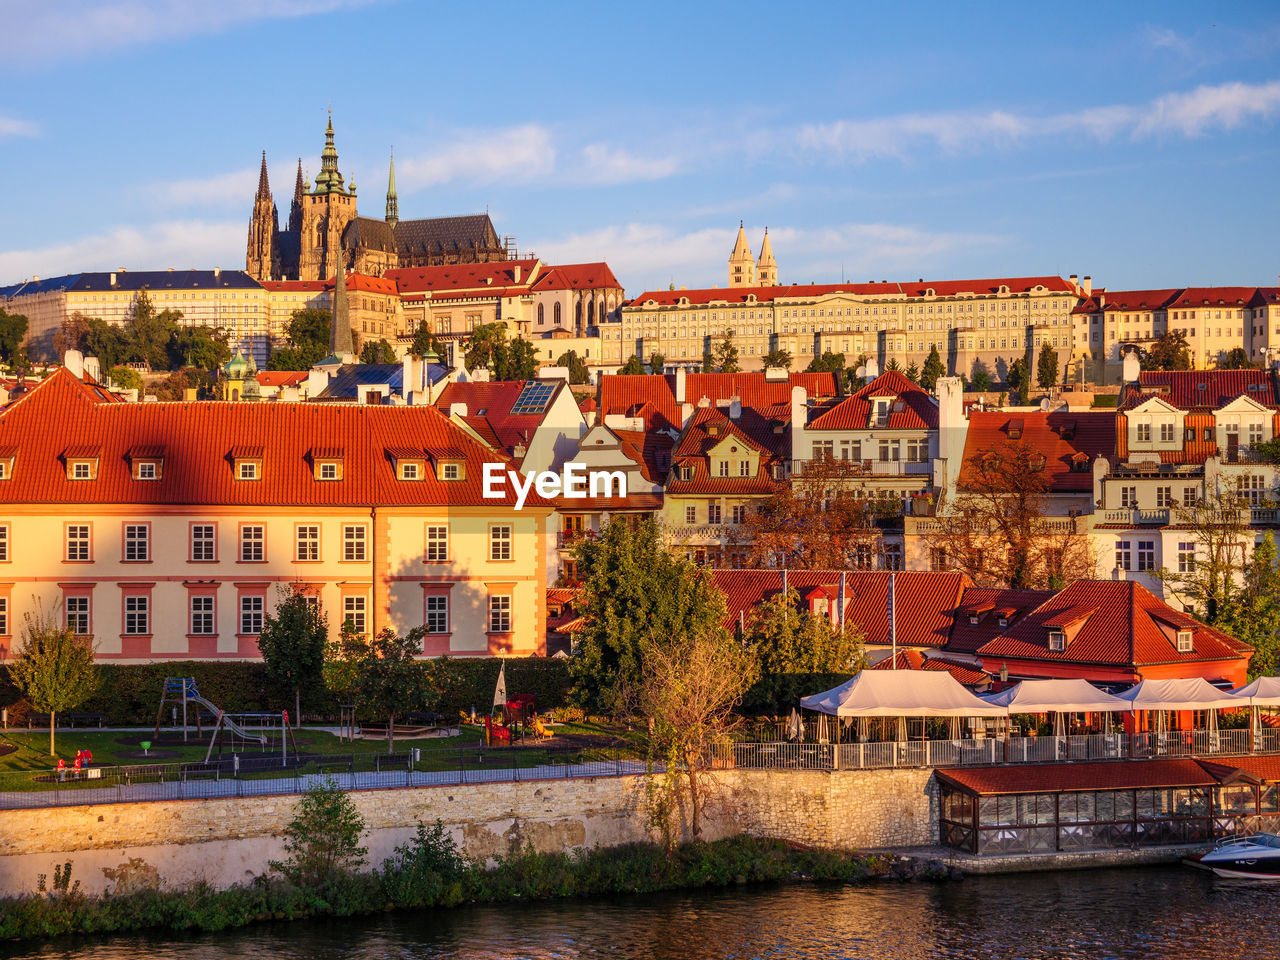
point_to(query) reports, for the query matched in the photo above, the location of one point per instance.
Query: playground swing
(183, 691)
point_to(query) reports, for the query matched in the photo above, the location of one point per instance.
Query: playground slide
(227, 722)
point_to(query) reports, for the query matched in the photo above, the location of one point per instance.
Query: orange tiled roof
(620, 393)
(915, 660)
(1068, 777)
(1060, 435)
(489, 277)
(1202, 389)
(913, 408)
(577, 276)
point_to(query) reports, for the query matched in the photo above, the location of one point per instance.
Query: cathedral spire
(295, 208)
(766, 266)
(329, 180)
(393, 205)
(264, 188)
(742, 265)
(340, 339)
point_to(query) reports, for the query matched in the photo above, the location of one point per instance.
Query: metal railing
(256, 775)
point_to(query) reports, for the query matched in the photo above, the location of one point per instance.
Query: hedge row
(129, 694)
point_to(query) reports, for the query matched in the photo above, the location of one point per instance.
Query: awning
(1057, 696)
(1194, 694)
(1263, 692)
(901, 693)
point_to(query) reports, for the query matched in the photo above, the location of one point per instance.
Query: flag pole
(893, 619)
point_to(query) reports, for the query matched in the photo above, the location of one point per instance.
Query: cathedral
(325, 231)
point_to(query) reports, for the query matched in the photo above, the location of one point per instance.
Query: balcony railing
(706, 531)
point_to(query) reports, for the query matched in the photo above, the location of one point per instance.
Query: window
(251, 615)
(1251, 488)
(1146, 554)
(1208, 434)
(450, 471)
(4, 542)
(77, 611)
(437, 544)
(136, 615)
(739, 513)
(937, 558)
(823, 448)
(353, 612)
(917, 450)
(137, 542)
(1057, 641)
(500, 542)
(1186, 556)
(888, 451)
(893, 556)
(408, 471)
(252, 543)
(1190, 496)
(202, 541)
(81, 471)
(685, 471)
(1144, 432)
(1129, 497)
(1166, 433)
(308, 543)
(1164, 496)
(353, 539)
(1255, 434)
(1184, 641)
(78, 541)
(722, 468)
(500, 614)
(713, 512)
(247, 470)
(1123, 554)
(436, 615)
(146, 470)
(690, 514)
(202, 615)
(744, 468)
(328, 471)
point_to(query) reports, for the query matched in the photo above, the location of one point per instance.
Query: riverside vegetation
(324, 876)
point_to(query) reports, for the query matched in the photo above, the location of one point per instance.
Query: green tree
(784, 637)
(199, 346)
(521, 361)
(55, 669)
(933, 369)
(424, 342)
(635, 592)
(343, 656)
(1019, 381)
(893, 364)
(1237, 358)
(308, 336)
(150, 331)
(656, 362)
(578, 372)
(1252, 613)
(1219, 525)
(107, 342)
(708, 358)
(633, 366)
(913, 372)
(285, 358)
(392, 681)
(827, 363)
(292, 644)
(377, 351)
(726, 355)
(777, 358)
(980, 377)
(509, 360)
(126, 378)
(1170, 352)
(13, 327)
(1047, 367)
(323, 838)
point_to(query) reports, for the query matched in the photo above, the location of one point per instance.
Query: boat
(1250, 857)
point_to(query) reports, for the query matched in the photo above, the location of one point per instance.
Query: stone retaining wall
(227, 841)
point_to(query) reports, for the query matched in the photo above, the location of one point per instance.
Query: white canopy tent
(1057, 696)
(1193, 694)
(901, 693)
(1263, 692)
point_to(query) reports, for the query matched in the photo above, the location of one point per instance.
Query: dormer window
(247, 463)
(410, 471)
(1185, 642)
(146, 463)
(450, 470)
(326, 463)
(973, 619)
(247, 470)
(80, 471)
(1057, 641)
(147, 470)
(685, 472)
(1003, 621)
(328, 471)
(82, 463)
(7, 457)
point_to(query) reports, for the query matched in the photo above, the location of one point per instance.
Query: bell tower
(326, 211)
(766, 266)
(742, 265)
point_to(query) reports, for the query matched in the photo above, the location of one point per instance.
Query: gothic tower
(393, 205)
(295, 208)
(262, 258)
(326, 211)
(742, 265)
(766, 266)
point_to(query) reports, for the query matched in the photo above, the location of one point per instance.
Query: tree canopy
(55, 669)
(13, 327)
(578, 372)
(656, 362)
(777, 358)
(1047, 367)
(488, 346)
(1019, 380)
(725, 358)
(308, 336)
(377, 351)
(633, 366)
(1170, 352)
(827, 363)
(933, 369)
(292, 644)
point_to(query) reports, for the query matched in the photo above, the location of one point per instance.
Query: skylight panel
(534, 397)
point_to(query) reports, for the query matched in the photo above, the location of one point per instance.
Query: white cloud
(602, 163)
(236, 188)
(13, 127)
(1164, 38)
(519, 154)
(646, 256)
(175, 243)
(37, 33)
(1205, 109)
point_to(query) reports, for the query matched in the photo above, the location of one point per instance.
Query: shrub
(323, 838)
(425, 872)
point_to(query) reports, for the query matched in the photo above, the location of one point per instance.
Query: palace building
(325, 230)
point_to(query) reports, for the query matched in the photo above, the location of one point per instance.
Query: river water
(1157, 912)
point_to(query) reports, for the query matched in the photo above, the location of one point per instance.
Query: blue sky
(1135, 143)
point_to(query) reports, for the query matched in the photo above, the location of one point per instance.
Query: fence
(249, 776)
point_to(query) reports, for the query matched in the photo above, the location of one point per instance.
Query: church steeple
(742, 265)
(766, 266)
(262, 252)
(393, 206)
(295, 208)
(329, 179)
(340, 339)
(264, 188)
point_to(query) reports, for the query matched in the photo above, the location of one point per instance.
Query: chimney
(517, 272)
(680, 384)
(217, 273)
(1075, 282)
(113, 280)
(1131, 366)
(93, 368)
(1087, 284)
(1117, 573)
(457, 409)
(800, 449)
(73, 360)
(735, 408)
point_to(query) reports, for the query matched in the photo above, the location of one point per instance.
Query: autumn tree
(777, 358)
(71, 334)
(1047, 367)
(1252, 613)
(933, 369)
(55, 670)
(1169, 352)
(995, 528)
(823, 520)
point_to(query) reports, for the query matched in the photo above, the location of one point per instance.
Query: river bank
(433, 874)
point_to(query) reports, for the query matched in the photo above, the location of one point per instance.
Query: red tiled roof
(952, 288)
(707, 428)
(619, 393)
(485, 277)
(282, 378)
(1070, 777)
(941, 288)
(489, 413)
(577, 276)
(1094, 436)
(289, 286)
(198, 439)
(651, 451)
(362, 282)
(1214, 297)
(1202, 389)
(913, 409)
(1121, 628)
(1263, 296)
(1136, 300)
(924, 600)
(990, 605)
(915, 660)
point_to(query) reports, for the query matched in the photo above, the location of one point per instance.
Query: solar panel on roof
(534, 397)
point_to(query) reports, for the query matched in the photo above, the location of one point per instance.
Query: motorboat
(1252, 857)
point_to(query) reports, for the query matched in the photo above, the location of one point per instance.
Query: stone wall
(228, 841)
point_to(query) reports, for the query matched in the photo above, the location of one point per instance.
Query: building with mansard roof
(325, 230)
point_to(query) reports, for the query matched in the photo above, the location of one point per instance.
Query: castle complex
(325, 230)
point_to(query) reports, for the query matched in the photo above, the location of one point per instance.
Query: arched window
(541, 319)
(556, 315)
(591, 313)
